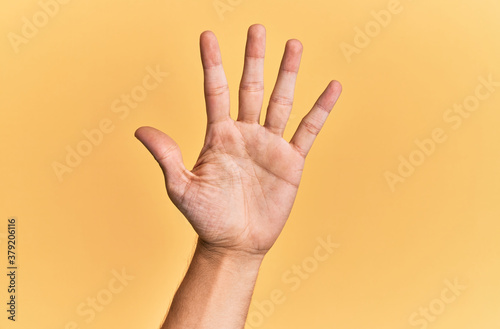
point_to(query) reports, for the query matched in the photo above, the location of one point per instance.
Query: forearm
(216, 290)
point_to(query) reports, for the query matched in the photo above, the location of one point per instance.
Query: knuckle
(216, 90)
(273, 128)
(282, 100)
(252, 86)
(321, 107)
(301, 150)
(311, 126)
(166, 154)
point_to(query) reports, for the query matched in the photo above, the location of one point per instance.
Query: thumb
(168, 154)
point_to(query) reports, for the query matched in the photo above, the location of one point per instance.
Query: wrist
(228, 257)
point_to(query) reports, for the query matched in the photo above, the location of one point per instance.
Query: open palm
(241, 190)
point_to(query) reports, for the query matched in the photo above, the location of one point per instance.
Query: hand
(240, 192)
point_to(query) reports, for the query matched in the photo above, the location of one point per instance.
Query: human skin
(241, 190)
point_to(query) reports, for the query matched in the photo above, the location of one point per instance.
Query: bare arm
(216, 291)
(240, 192)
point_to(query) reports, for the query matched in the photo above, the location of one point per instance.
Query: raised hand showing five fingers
(241, 190)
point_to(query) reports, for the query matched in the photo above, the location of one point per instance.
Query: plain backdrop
(403, 178)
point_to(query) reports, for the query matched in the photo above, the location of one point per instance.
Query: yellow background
(397, 248)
